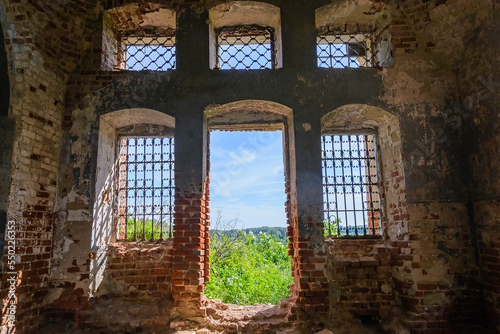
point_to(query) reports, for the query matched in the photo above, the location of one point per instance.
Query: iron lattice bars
(245, 48)
(146, 188)
(350, 190)
(341, 48)
(145, 49)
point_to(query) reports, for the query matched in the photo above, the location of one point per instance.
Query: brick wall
(441, 285)
(190, 259)
(488, 238)
(57, 43)
(359, 273)
(310, 288)
(37, 38)
(138, 274)
(36, 111)
(110, 45)
(143, 267)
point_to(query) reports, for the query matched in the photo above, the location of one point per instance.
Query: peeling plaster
(347, 11)
(62, 247)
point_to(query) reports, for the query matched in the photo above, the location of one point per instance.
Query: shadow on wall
(6, 134)
(4, 78)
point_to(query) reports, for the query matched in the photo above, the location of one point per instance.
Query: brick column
(308, 268)
(190, 259)
(308, 250)
(191, 220)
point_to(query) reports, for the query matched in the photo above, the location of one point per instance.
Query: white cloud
(243, 156)
(278, 170)
(248, 180)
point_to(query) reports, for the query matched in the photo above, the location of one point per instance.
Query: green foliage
(146, 231)
(248, 269)
(279, 233)
(331, 228)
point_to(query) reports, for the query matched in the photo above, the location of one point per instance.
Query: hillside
(278, 232)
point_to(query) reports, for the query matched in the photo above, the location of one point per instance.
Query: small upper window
(148, 49)
(340, 48)
(350, 188)
(245, 48)
(245, 35)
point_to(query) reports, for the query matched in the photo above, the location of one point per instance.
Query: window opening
(144, 49)
(146, 188)
(339, 48)
(246, 182)
(350, 190)
(245, 48)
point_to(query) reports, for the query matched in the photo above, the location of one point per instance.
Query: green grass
(146, 231)
(248, 269)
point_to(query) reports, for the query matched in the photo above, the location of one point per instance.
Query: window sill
(354, 237)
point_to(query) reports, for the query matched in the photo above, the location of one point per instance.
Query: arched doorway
(251, 118)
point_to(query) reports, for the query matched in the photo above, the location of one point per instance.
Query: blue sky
(247, 177)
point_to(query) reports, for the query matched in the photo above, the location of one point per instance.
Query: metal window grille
(336, 48)
(350, 190)
(245, 48)
(146, 188)
(148, 50)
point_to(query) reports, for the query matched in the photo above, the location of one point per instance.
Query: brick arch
(138, 14)
(133, 116)
(355, 117)
(120, 3)
(261, 115)
(344, 11)
(250, 112)
(243, 13)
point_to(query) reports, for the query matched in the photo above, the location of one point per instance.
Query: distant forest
(279, 233)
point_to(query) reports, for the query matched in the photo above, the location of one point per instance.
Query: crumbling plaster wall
(37, 88)
(184, 94)
(421, 89)
(38, 61)
(436, 244)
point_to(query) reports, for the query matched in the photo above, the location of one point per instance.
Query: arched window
(135, 176)
(362, 172)
(139, 36)
(245, 35)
